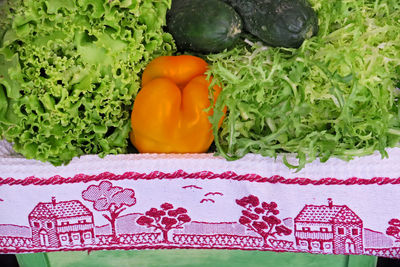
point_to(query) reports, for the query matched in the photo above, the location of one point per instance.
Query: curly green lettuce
(69, 72)
(334, 96)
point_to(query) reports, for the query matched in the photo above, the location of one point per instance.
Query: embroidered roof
(323, 214)
(62, 209)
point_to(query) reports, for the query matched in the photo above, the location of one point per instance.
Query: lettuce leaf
(334, 96)
(69, 72)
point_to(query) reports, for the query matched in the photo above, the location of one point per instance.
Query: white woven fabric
(222, 204)
(13, 165)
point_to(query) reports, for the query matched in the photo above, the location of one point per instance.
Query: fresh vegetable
(285, 23)
(203, 25)
(69, 71)
(169, 113)
(335, 96)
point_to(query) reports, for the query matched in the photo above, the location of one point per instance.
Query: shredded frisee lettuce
(69, 72)
(334, 96)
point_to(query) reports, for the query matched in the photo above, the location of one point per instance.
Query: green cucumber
(280, 23)
(204, 26)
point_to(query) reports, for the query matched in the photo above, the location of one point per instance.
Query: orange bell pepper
(169, 114)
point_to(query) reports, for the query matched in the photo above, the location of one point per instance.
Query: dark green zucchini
(203, 25)
(282, 23)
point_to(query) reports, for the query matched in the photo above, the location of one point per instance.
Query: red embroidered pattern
(203, 175)
(69, 225)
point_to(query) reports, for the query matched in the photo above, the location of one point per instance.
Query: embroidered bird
(213, 194)
(191, 186)
(207, 200)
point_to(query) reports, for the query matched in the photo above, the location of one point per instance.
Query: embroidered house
(64, 223)
(329, 229)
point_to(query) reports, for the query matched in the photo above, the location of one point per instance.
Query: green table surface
(190, 258)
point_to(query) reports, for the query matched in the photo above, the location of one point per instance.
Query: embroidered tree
(109, 198)
(394, 229)
(164, 219)
(260, 218)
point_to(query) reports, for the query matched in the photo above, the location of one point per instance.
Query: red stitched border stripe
(203, 175)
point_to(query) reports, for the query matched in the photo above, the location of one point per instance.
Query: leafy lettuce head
(335, 96)
(69, 71)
